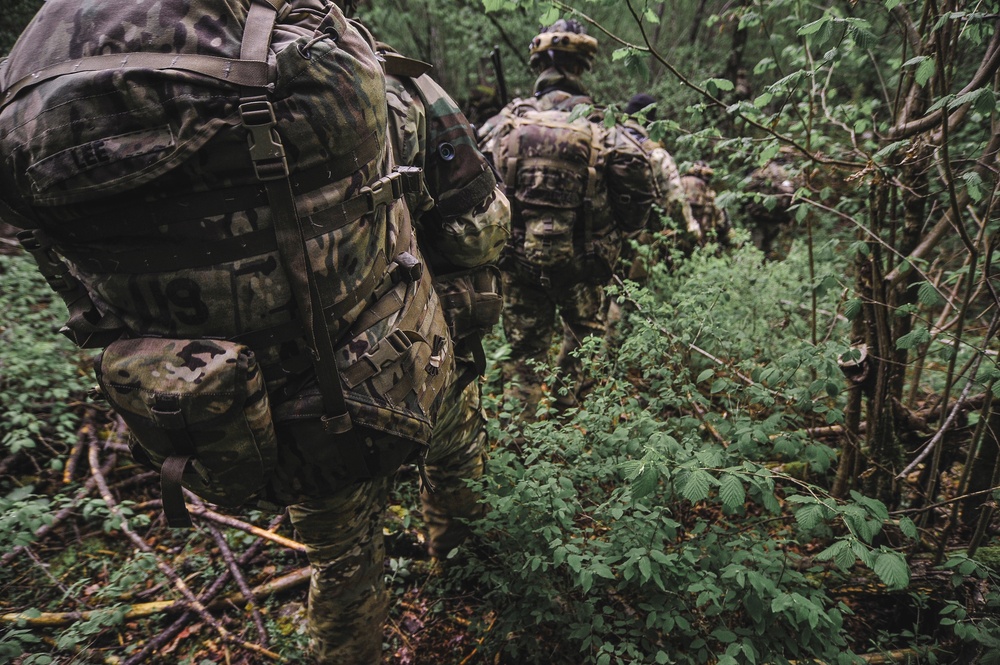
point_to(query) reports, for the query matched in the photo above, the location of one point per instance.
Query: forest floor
(86, 587)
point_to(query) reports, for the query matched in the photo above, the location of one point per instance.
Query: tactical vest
(553, 170)
(219, 169)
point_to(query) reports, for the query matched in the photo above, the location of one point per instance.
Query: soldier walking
(575, 188)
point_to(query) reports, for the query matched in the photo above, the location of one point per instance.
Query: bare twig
(167, 570)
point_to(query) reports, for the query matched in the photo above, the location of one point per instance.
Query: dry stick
(930, 445)
(225, 520)
(167, 570)
(288, 581)
(207, 596)
(241, 582)
(57, 519)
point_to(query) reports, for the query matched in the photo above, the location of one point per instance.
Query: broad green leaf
(892, 4)
(705, 375)
(550, 16)
(908, 528)
(852, 307)
(928, 295)
(697, 486)
(892, 569)
(731, 491)
(812, 28)
(974, 185)
(721, 84)
(913, 338)
(925, 71)
(651, 16)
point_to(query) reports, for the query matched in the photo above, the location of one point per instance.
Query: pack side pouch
(198, 413)
(548, 236)
(471, 299)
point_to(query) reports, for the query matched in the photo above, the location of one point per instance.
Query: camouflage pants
(533, 315)
(348, 602)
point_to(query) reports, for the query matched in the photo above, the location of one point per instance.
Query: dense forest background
(790, 455)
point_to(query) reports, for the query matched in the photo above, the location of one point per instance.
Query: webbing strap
(86, 327)
(268, 155)
(246, 73)
(172, 493)
(591, 188)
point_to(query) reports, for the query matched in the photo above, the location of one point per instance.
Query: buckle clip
(266, 150)
(383, 191)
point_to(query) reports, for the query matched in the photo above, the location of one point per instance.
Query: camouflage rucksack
(553, 169)
(207, 184)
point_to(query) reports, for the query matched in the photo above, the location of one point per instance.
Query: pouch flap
(175, 382)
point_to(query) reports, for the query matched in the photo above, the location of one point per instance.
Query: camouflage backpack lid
(175, 153)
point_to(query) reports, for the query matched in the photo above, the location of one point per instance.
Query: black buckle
(266, 150)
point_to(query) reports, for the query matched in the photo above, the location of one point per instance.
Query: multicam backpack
(553, 168)
(207, 184)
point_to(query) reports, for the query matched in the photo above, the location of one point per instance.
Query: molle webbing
(135, 217)
(163, 258)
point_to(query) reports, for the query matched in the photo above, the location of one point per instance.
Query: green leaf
(928, 295)
(724, 85)
(913, 338)
(812, 28)
(808, 517)
(697, 486)
(925, 71)
(731, 491)
(768, 153)
(890, 149)
(974, 185)
(892, 4)
(719, 385)
(705, 375)
(852, 308)
(892, 569)
(908, 528)
(651, 16)
(550, 16)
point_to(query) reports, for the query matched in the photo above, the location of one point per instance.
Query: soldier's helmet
(564, 44)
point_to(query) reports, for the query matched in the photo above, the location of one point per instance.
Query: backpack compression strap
(271, 165)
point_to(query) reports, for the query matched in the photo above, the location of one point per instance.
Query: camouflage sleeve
(468, 222)
(631, 188)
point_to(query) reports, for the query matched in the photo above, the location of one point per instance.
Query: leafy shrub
(42, 375)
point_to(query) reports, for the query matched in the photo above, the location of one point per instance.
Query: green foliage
(633, 530)
(13, 18)
(41, 372)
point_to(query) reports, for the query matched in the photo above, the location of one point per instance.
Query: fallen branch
(167, 570)
(241, 582)
(281, 584)
(208, 595)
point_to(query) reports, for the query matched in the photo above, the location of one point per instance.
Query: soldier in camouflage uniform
(567, 301)
(771, 188)
(712, 221)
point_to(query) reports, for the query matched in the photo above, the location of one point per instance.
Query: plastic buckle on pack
(382, 191)
(410, 179)
(266, 150)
